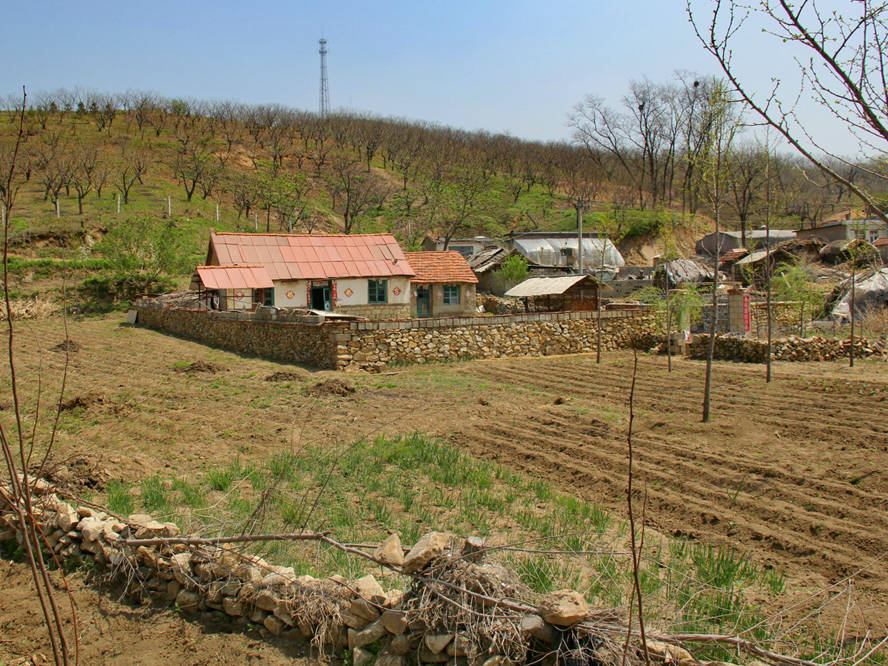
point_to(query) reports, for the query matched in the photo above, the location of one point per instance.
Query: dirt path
(115, 633)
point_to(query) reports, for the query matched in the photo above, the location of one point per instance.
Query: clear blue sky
(516, 66)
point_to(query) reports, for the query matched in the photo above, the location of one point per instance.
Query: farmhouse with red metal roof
(362, 274)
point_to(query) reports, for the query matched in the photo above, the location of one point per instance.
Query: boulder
(266, 600)
(387, 658)
(394, 622)
(436, 643)
(362, 657)
(180, 565)
(370, 597)
(353, 621)
(563, 608)
(275, 626)
(390, 551)
(670, 654)
(91, 528)
(369, 634)
(533, 624)
(473, 549)
(429, 547)
(232, 607)
(67, 517)
(426, 656)
(460, 646)
(188, 602)
(404, 643)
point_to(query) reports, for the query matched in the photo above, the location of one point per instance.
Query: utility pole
(580, 203)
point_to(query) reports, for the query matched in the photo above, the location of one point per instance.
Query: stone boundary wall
(816, 348)
(292, 341)
(301, 338)
(371, 345)
(404, 626)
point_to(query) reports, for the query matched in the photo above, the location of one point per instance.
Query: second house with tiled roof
(443, 284)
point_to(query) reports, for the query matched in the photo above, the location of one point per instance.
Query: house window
(377, 291)
(451, 294)
(264, 296)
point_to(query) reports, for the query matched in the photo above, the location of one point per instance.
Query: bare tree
(353, 191)
(192, 163)
(746, 173)
(131, 166)
(841, 60)
(85, 162)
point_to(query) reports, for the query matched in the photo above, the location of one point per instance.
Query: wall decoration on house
(348, 292)
(238, 294)
(396, 291)
(290, 294)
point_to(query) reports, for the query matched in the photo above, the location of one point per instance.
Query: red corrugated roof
(234, 277)
(314, 256)
(446, 266)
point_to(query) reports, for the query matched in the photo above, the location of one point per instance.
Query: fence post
(118, 204)
(169, 206)
(58, 210)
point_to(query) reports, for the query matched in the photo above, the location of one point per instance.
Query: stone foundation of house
(377, 311)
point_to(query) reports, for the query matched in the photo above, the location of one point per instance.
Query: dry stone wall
(815, 348)
(497, 620)
(292, 341)
(371, 345)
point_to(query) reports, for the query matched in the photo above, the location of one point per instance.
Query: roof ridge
(261, 233)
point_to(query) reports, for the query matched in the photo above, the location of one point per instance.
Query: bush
(513, 269)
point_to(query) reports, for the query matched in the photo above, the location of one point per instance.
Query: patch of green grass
(221, 478)
(120, 501)
(154, 495)
(192, 493)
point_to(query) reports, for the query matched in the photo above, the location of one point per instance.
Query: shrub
(513, 269)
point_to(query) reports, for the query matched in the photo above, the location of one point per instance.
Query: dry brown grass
(35, 307)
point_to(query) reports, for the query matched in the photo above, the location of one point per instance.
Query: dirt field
(793, 472)
(115, 633)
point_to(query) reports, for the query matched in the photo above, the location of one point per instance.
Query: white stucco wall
(300, 294)
(358, 289)
(356, 286)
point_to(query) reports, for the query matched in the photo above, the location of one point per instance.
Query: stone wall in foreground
(497, 620)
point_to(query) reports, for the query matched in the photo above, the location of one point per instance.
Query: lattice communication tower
(324, 101)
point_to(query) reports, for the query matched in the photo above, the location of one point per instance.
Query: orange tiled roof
(444, 266)
(313, 256)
